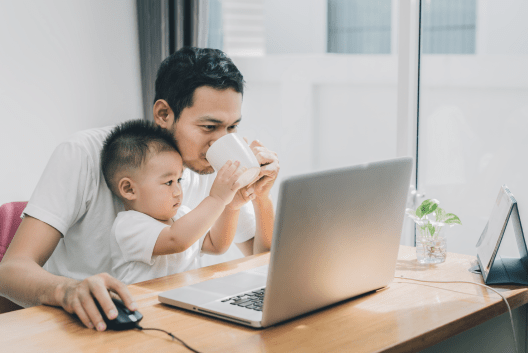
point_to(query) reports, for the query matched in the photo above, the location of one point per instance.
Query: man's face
(214, 113)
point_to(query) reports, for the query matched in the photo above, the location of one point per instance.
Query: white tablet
(491, 237)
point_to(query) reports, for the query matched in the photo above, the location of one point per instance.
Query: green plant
(427, 226)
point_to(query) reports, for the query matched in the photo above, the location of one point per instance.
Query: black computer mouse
(125, 320)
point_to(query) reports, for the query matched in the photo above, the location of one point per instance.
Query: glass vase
(431, 249)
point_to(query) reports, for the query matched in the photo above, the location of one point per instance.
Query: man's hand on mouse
(77, 297)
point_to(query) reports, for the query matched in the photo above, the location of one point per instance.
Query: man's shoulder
(95, 136)
(88, 143)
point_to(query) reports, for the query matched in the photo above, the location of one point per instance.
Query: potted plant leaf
(431, 221)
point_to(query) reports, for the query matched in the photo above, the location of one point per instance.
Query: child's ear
(126, 189)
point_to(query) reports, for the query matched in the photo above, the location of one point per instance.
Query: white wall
(501, 27)
(321, 111)
(65, 66)
(328, 111)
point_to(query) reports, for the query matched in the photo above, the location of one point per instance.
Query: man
(69, 216)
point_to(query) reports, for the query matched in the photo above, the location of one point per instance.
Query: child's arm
(221, 235)
(186, 230)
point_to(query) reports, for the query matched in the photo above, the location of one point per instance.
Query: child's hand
(243, 196)
(225, 185)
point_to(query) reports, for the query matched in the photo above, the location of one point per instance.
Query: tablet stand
(504, 270)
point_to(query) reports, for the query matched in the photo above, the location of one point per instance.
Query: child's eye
(179, 180)
(169, 183)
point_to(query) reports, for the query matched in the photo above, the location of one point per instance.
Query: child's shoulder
(131, 216)
(134, 222)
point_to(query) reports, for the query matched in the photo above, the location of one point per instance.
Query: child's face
(159, 192)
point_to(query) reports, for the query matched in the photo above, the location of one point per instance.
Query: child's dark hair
(189, 68)
(129, 145)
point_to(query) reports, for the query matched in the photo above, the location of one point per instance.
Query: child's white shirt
(134, 235)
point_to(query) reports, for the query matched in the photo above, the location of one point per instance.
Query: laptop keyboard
(250, 300)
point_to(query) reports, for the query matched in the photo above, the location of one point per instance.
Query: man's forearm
(265, 218)
(27, 284)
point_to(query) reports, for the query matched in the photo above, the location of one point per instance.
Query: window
(448, 26)
(237, 26)
(359, 26)
(473, 112)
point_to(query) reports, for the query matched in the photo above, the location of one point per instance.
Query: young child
(156, 236)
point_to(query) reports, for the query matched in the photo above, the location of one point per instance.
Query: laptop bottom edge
(208, 312)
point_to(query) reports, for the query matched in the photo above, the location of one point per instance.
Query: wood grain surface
(405, 317)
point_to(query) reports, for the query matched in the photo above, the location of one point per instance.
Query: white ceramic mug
(233, 147)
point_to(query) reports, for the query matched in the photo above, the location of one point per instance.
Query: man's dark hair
(189, 68)
(128, 146)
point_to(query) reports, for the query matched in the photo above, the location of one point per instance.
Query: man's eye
(209, 127)
(233, 127)
(169, 183)
(179, 180)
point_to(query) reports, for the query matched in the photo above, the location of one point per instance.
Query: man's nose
(217, 135)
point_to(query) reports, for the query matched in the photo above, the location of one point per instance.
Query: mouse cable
(478, 284)
(168, 333)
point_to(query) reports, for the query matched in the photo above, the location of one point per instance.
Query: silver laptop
(336, 236)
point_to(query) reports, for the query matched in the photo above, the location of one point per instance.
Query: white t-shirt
(72, 196)
(134, 235)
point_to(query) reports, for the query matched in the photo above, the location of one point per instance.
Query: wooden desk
(405, 317)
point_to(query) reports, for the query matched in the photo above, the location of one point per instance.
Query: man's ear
(163, 115)
(127, 189)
